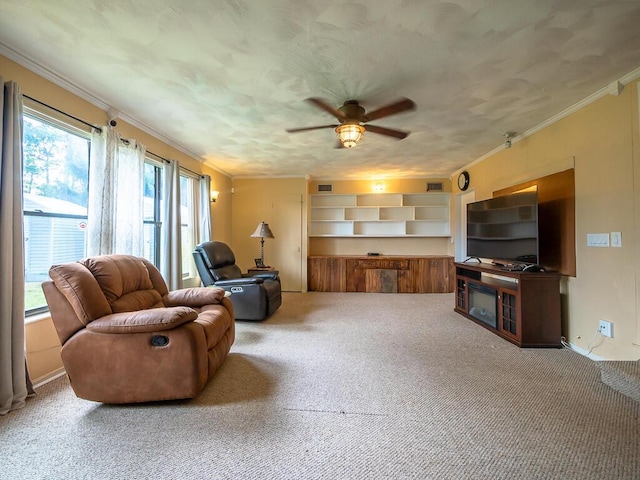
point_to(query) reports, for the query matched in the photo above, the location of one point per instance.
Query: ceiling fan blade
(399, 134)
(399, 106)
(304, 129)
(318, 102)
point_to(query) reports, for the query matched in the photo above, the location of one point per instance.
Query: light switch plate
(616, 239)
(597, 239)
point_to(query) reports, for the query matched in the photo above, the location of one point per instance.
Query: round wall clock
(463, 180)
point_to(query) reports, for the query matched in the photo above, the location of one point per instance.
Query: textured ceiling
(224, 79)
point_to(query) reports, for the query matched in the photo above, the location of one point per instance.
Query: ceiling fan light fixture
(350, 134)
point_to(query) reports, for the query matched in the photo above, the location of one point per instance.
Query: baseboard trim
(49, 377)
(585, 353)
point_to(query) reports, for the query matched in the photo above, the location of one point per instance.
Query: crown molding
(95, 100)
(172, 143)
(259, 177)
(608, 90)
(216, 168)
(52, 76)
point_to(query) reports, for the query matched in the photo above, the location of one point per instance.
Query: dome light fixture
(350, 134)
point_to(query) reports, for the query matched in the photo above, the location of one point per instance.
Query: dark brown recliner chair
(254, 297)
(125, 338)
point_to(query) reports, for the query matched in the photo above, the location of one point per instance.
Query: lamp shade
(263, 231)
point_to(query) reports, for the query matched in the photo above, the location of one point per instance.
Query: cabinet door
(326, 274)
(461, 294)
(433, 275)
(509, 322)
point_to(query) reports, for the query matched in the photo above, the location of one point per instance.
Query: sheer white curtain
(14, 381)
(204, 211)
(115, 213)
(171, 251)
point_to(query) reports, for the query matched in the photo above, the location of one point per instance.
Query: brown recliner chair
(125, 338)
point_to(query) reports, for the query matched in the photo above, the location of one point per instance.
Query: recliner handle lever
(159, 340)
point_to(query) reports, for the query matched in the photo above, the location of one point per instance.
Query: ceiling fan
(353, 117)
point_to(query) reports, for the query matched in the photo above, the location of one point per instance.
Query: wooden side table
(254, 270)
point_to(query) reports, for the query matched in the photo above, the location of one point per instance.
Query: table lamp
(263, 231)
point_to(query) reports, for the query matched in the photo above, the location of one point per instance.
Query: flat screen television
(504, 229)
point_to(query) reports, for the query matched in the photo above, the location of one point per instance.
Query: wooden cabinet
(380, 215)
(327, 274)
(382, 274)
(522, 307)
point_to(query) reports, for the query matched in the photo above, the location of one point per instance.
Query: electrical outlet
(606, 328)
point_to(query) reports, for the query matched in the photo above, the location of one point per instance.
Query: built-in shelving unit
(380, 215)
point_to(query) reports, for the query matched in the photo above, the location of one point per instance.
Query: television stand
(522, 307)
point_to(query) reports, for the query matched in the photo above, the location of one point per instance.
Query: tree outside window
(55, 191)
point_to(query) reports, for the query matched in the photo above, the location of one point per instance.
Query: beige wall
(601, 142)
(280, 202)
(43, 349)
(42, 342)
(383, 246)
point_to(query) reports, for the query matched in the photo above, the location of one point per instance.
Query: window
(56, 191)
(188, 216)
(152, 211)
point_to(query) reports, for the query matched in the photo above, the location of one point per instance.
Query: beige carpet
(348, 386)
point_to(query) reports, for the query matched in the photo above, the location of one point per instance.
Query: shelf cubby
(324, 214)
(427, 229)
(425, 199)
(379, 228)
(331, 229)
(368, 213)
(395, 213)
(333, 201)
(440, 213)
(379, 200)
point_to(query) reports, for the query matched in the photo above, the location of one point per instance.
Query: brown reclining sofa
(125, 338)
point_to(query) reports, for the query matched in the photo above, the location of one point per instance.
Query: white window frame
(189, 270)
(83, 133)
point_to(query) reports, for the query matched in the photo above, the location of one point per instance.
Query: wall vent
(435, 187)
(325, 188)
